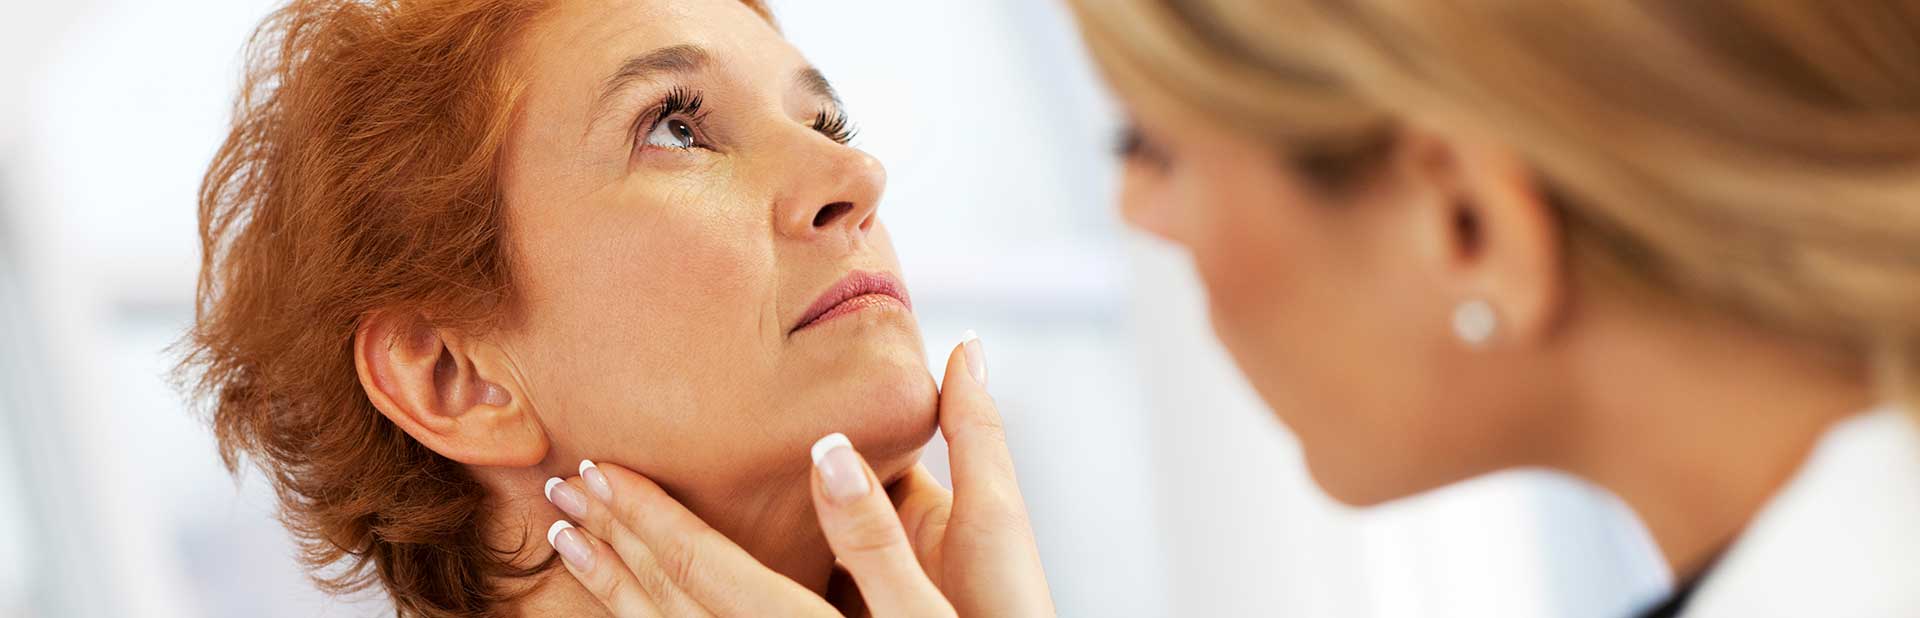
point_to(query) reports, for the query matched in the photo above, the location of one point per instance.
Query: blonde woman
(1672, 248)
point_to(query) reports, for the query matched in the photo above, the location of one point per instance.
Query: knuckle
(868, 532)
(933, 526)
(611, 588)
(628, 506)
(992, 523)
(988, 426)
(652, 579)
(632, 498)
(679, 561)
(600, 519)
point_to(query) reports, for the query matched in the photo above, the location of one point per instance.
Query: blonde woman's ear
(452, 394)
(1507, 242)
(1483, 231)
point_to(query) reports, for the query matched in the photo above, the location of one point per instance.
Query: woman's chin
(889, 410)
(1362, 478)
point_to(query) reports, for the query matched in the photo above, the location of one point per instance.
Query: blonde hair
(1761, 158)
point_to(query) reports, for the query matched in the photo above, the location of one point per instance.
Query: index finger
(981, 467)
(997, 545)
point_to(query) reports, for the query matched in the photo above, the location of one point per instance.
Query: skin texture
(1336, 304)
(656, 290)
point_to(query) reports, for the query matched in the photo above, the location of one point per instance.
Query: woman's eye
(1134, 147)
(672, 133)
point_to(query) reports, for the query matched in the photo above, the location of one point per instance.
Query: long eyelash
(835, 125)
(678, 102)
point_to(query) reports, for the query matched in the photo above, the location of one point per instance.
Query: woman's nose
(835, 194)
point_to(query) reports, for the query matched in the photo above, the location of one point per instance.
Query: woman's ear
(455, 395)
(1497, 235)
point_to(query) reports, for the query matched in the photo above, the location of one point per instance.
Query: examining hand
(975, 542)
(644, 554)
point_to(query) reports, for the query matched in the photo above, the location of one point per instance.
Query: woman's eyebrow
(684, 58)
(816, 84)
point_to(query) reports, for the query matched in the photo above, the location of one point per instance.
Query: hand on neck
(771, 519)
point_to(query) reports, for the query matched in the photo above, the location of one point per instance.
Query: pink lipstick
(858, 290)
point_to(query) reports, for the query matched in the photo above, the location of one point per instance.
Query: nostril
(831, 212)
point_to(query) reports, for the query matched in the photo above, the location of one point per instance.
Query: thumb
(865, 533)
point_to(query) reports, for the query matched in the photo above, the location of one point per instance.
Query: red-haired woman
(455, 248)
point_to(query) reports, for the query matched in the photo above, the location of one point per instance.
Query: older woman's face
(685, 219)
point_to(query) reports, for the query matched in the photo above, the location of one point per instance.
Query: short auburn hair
(360, 175)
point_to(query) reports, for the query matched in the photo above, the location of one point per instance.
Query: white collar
(1841, 539)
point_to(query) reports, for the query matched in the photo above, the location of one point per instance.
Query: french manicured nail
(840, 470)
(570, 500)
(596, 482)
(976, 357)
(571, 545)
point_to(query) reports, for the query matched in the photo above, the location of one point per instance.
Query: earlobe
(454, 395)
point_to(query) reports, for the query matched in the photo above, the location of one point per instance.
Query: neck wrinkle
(774, 522)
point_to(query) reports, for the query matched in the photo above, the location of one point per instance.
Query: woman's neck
(772, 520)
(1696, 422)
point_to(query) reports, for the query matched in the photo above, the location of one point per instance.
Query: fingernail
(976, 357)
(839, 468)
(567, 498)
(596, 482)
(572, 547)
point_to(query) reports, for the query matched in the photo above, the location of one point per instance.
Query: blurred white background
(1159, 485)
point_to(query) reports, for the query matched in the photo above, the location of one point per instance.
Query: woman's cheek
(1252, 258)
(695, 260)
(1223, 235)
(882, 241)
(1147, 204)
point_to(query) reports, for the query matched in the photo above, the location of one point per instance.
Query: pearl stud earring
(1474, 322)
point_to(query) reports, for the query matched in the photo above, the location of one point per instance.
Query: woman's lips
(858, 290)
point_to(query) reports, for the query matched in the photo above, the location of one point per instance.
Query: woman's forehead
(581, 49)
(598, 34)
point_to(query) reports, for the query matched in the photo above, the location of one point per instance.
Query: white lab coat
(1841, 539)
